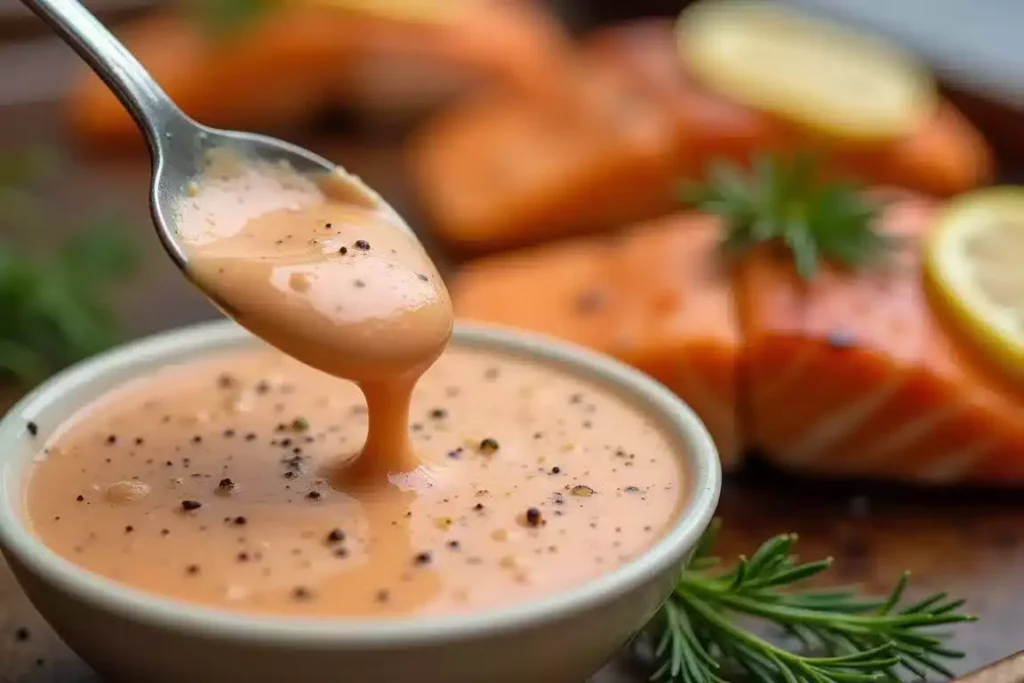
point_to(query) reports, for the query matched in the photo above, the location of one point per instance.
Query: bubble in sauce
(126, 491)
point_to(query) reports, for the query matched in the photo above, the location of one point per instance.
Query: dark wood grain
(969, 543)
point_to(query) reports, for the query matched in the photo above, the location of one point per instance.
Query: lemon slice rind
(979, 237)
(811, 72)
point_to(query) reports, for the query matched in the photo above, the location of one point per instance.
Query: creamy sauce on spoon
(324, 270)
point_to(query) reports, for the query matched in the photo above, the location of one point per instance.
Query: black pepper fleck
(313, 495)
(301, 593)
(556, 469)
(22, 634)
(382, 596)
(335, 536)
(32, 427)
(362, 245)
(421, 559)
(240, 521)
(80, 498)
(489, 446)
(112, 439)
(533, 517)
(343, 251)
(478, 507)
(438, 413)
(189, 505)
(192, 569)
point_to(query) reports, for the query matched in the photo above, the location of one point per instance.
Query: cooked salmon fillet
(859, 375)
(850, 375)
(608, 158)
(277, 72)
(549, 186)
(653, 296)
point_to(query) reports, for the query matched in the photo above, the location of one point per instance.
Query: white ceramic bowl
(133, 637)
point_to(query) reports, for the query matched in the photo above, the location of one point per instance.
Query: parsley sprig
(841, 638)
(786, 200)
(54, 303)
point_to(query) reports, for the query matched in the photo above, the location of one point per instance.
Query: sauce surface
(211, 482)
(322, 269)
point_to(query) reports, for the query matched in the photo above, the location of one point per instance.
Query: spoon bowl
(180, 156)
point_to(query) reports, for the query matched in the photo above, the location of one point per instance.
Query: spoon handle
(148, 104)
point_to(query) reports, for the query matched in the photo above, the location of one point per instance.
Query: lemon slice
(811, 72)
(975, 260)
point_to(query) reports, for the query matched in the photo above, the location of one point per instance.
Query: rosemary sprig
(54, 308)
(786, 201)
(841, 638)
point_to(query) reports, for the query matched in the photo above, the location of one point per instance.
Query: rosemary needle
(785, 201)
(841, 638)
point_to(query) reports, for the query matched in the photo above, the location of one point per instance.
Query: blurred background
(369, 99)
(492, 125)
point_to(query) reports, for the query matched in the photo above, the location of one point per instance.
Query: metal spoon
(178, 145)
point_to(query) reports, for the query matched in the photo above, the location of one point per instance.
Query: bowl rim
(135, 358)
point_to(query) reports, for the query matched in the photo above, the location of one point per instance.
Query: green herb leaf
(841, 638)
(54, 306)
(226, 18)
(785, 201)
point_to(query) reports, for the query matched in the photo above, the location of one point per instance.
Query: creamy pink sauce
(339, 479)
(325, 271)
(212, 482)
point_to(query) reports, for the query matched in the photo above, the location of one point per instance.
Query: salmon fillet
(502, 171)
(860, 376)
(565, 175)
(851, 375)
(278, 72)
(652, 296)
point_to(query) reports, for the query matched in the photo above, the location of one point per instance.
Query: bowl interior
(51, 404)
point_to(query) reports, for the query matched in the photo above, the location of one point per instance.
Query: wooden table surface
(968, 543)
